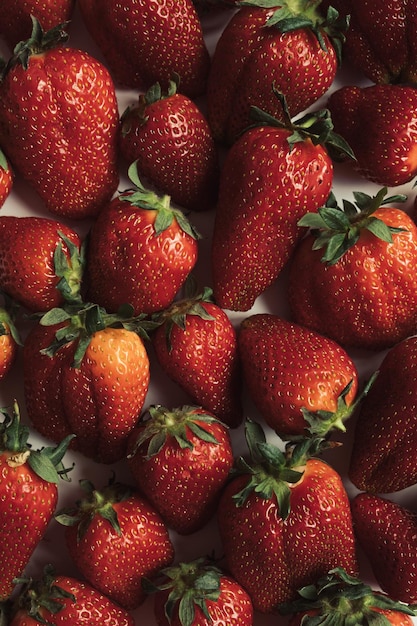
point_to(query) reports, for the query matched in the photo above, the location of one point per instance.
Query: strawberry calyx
(339, 599)
(8, 313)
(337, 229)
(69, 271)
(190, 585)
(151, 96)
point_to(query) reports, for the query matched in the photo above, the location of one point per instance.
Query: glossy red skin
(249, 58)
(128, 263)
(8, 351)
(6, 184)
(396, 618)
(133, 38)
(99, 402)
(64, 146)
(142, 549)
(287, 367)
(89, 609)
(233, 608)
(27, 247)
(368, 299)
(204, 361)
(264, 190)
(379, 122)
(387, 532)
(272, 559)
(184, 484)
(27, 505)
(172, 144)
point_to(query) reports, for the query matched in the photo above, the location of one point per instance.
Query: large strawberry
(387, 533)
(284, 520)
(180, 459)
(196, 345)
(146, 42)
(41, 261)
(354, 276)
(86, 372)
(59, 123)
(170, 139)
(268, 43)
(140, 251)
(28, 495)
(6, 178)
(272, 175)
(136, 541)
(378, 122)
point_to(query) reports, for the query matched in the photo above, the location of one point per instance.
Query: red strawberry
(144, 43)
(136, 541)
(378, 122)
(9, 337)
(141, 250)
(387, 533)
(284, 520)
(6, 178)
(272, 175)
(170, 140)
(87, 373)
(28, 496)
(299, 380)
(59, 123)
(362, 292)
(41, 261)
(266, 44)
(180, 459)
(59, 600)
(198, 593)
(196, 346)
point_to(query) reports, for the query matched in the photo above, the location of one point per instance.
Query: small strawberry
(284, 520)
(140, 251)
(196, 345)
(9, 336)
(265, 44)
(387, 533)
(28, 495)
(354, 276)
(59, 123)
(6, 178)
(136, 541)
(170, 140)
(198, 593)
(144, 43)
(180, 459)
(378, 123)
(41, 261)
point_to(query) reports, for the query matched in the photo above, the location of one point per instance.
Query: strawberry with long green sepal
(353, 277)
(28, 495)
(284, 519)
(180, 459)
(136, 540)
(141, 250)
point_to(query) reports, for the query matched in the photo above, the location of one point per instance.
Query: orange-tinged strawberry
(9, 336)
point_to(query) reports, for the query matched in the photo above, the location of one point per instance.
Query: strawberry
(41, 261)
(86, 372)
(196, 346)
(59, 123)
(144, 43)
(199, 593)
(382, 458)
(272, 175)
(6, 178)
(9, 337)
(28, 495)
(387, 533)
(299, 380)
(267, 44)
(180, 460)
(170, 139)
(362, 291)
(338, 598)
(378, 123)
(152, 241)
(136, 541)
(59, 600)
(284, 520)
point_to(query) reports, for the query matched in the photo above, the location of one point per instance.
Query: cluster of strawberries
(227, 274)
